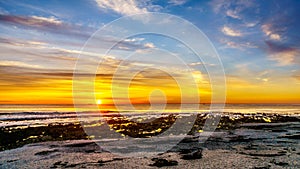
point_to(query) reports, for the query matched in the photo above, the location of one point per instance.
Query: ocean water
(39, 115)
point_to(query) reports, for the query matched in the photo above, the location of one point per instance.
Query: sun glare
(99, 102)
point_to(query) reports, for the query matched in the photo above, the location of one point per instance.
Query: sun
(99, 101)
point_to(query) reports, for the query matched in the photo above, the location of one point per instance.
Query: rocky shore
(241, 141)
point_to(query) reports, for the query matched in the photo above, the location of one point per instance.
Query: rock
(294, 136)
(160, 162)
(59, 164)
(46, 152)
(267, 167)
(264, 153)
(281, 163)
(195, 154)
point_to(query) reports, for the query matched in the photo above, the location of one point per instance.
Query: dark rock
(295, 136)
(59, 164)
(266, 167)
(9, 161)
(80, 144)
(190, 140)
(239, 138)
(71, 165)
(195, 154)
(46, 152)
(281, 163)
(264, 154)
(89, 151)
(279, 130)
(117, 159)
(141, 130)
(160, 162)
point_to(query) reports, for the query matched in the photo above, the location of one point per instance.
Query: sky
(258, 44)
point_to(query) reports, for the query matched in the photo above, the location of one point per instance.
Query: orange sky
(56, 88)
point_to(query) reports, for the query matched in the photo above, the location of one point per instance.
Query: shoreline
(240, 141)
(230, 149)
(16, 136)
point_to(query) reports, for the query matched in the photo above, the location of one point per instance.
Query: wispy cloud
(51, 20)
(177, 2)
(267, 29)
(50, 24)
(284, 55)
(18, 42)
(234, 7)
(231, 32)
(296, 75)
(244, 73)
(233, 14)
(134, 39)
(250, 24)
(18, 64)
(29, 48)
(200, 64)
(128, 7)
(238, 45)
(35, 21)
(124, 7)
(285, 58)
(149, 45)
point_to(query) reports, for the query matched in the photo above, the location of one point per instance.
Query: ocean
(37, 115)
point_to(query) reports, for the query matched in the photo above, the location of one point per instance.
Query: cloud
(51, 20)
(35, 21)
(134, 39)
(267, 29)
(231, 32)
(18, 64)
(196, 63)
(284, 58)
(237, 45)
(50, 24)
(200, 63)
(251, 24)
(132, 44)
(284, 55)
(233, 14)
(217, 5)
(124, 7)
(21, 49)
(296, 75)
(245, 73)
(236, 6)
(177, 2)
(18, 42)
(149, 45)
(17, 74)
